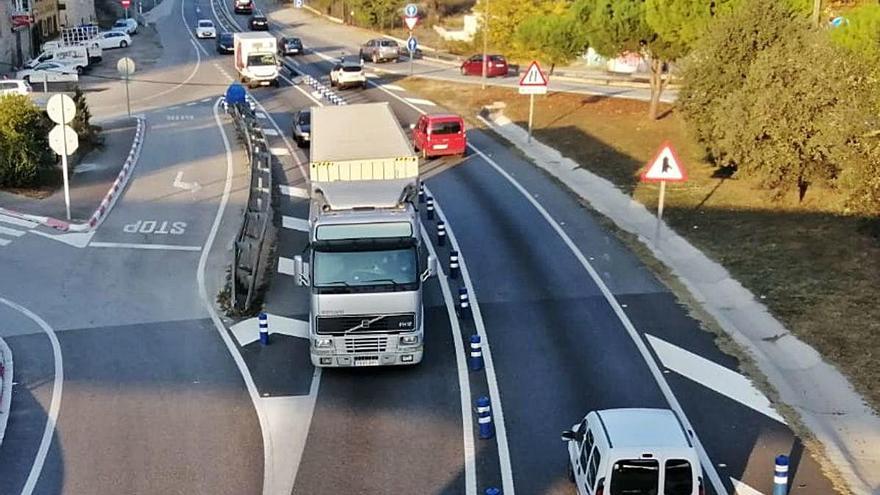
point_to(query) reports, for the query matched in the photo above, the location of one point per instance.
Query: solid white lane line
(464, 384)
(260, 115)
(488, 363)
(294, 192)
(17, 221)
(714, 376)
(207, 302)
(248, 331)
(285, 266)
(419, 101)
(4, 242)
(393, 87)
(300, 224)
(621, 315)
(12, 232)
(152, 247)
(54, 404)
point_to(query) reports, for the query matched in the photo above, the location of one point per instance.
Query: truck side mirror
(568, 436)
(431, 270)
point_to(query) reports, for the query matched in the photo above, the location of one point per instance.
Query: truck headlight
(323, 343)
(409, 339)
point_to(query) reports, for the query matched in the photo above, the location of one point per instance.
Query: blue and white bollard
(421, 193)
(464, 303)
(264, 329)
(484, 418)
(441, 233)
(780, 476)
(453, 264)
(492, 491)
(430, 207)
(476, 361)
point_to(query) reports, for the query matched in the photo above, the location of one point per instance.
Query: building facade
(75, 12)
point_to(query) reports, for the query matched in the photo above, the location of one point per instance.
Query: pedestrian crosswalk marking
(4, 242)
(295, 223)
(17, 221)
(12, 232)
(285, 266)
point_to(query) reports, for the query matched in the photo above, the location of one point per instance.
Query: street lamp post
(485, 43)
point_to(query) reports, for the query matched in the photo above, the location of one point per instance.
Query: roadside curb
(824, 399)
(5, 386)
(109, 199)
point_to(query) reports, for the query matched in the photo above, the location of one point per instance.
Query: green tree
(861, 179)
(505, 16)
(683, 22)
(861, 33)
(24, 142)
(86, 132)
(717, 66)
(553, 39)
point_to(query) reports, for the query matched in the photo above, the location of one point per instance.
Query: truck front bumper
(397, 358)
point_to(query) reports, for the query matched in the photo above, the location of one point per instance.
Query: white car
(113, 39)
(14, 87)
(127, 26)
(49, 72)
(348, 72)
(205, 29)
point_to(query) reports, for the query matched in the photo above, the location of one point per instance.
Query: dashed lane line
(295, 223)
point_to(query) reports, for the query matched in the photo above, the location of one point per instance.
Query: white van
(632, 451)
(76, 56)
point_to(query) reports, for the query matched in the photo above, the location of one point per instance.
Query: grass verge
(816, 268)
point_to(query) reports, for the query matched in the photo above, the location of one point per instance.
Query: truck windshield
(388, 269)
(261, 59)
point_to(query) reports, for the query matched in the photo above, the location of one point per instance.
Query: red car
(439, 134)
(497, 66)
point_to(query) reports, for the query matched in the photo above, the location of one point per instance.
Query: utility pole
(485, 43)
(817, 9)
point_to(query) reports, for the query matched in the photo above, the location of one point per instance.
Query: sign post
(411, 45)
(62, 138)
(126, 67)
(411, 19)
(664, 167)
(125, 5)
(532, 83)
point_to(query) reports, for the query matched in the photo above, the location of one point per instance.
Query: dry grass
(815, 268)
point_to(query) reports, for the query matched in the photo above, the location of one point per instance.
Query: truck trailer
(365, 265)
(255, 58)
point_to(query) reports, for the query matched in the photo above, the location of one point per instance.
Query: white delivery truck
(71, 37)
(255, 58)
(364, 264)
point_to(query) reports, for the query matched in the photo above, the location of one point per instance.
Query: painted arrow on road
(189, 186)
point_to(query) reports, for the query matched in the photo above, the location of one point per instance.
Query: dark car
(288, 45)
(259, 23)
(225, 43)
(497, 66)
(302, 127)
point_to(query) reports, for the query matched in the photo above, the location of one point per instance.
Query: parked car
(243, 6)
(49, 72)
(205, 29)
(14, 87)
(289, 45)
(439, 134)
(348, 72)
(632, 451)
(380, 50)
(113, 39)
(497, 66)
(127, 26)
(225, 43)
(258, 23)
(302, 127)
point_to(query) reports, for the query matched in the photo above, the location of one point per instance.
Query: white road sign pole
(64, 168)
(127, 98)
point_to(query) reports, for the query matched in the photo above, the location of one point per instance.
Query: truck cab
(255, 58)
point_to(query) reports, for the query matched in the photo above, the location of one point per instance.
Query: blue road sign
(411, 10)
(298, 3)
(412, 44)
(235, 94)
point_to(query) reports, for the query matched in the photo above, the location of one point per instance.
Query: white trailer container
(255, 58)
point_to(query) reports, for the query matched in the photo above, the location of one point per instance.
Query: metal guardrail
(250, 249)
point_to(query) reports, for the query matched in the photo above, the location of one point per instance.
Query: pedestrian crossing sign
(665, 167)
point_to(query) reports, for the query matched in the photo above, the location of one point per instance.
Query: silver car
(380, 50)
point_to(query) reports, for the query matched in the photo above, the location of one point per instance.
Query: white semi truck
(364, 265)
(255, 58)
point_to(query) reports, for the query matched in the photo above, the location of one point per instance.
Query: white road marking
(17, 221)
(248, 331)
(393, 87)
(260, 115)
(300, 224)
(270, 132)
(714, 376)
(464, 385)
(740, 488)
(149, 247)
(192, 103)
(285, 266)
(316, 95)
(205, 100)
(12, 232)
(419, 101)
(279, 151)
(159, 227)
(180, 184)
(294, 192)
(489, 366)
(54, 405)
(75, 239)
(179, 117)
(4, 242)
(208, 302)
(370, 75)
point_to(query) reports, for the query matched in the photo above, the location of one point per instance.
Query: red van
(440, 134)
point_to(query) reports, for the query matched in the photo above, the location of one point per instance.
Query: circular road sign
(125, 66)
(61, 109)
(62, 135)
(411, 10)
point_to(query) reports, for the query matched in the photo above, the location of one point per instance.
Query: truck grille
(338, 325)
(364, 345)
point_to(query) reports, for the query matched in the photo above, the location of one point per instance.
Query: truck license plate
(366, 361)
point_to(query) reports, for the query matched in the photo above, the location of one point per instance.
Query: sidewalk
(90, 180)
(826, 402)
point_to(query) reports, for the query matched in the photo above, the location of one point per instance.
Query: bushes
(24, 142)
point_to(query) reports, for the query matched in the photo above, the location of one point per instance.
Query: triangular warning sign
(665, 166)
(533, 76)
